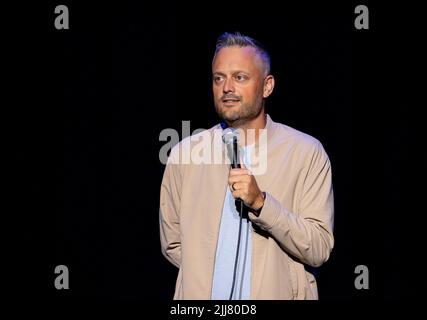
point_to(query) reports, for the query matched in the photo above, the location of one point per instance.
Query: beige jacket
(294, 228)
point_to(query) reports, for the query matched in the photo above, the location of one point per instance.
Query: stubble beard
(239, 115)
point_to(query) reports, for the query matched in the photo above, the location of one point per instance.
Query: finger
(249, 172)
(242, 179)
(238, 194)
(234, 181)
(237, 172)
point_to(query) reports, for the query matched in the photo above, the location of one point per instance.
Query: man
(288, 218)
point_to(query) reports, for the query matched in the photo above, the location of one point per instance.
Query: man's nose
(228, 86)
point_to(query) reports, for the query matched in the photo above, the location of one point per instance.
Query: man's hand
(243, 185)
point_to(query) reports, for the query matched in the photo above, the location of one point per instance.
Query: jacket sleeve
(170, 198)
(307, 234)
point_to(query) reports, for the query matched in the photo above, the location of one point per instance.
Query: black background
(88, 148)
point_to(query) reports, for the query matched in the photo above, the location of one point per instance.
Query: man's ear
(268, 86)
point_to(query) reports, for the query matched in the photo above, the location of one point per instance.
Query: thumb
(242, 166)
(241, 162)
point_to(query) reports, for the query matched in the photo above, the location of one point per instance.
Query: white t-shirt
(227, 247)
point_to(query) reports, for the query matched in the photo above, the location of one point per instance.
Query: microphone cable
(237, 250)
(237, 165)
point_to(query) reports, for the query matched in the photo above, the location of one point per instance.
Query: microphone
(229, 137)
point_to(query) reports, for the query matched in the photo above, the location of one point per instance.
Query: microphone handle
(235, 163)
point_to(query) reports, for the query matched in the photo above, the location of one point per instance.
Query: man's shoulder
(299, 143)
(287, 134)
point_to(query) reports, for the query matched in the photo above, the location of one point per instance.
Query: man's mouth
(230, 101)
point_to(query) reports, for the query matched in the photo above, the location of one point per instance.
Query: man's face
(238, 80)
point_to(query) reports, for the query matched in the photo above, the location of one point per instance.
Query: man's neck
(251, 129)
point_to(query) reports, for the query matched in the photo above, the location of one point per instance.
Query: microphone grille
(229, 134)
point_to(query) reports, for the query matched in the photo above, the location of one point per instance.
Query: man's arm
(307, 235)
(170, 197)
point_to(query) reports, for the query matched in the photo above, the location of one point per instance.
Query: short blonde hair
(240, 40)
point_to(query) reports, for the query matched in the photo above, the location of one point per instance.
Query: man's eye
(240, 77)
(217, 79)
